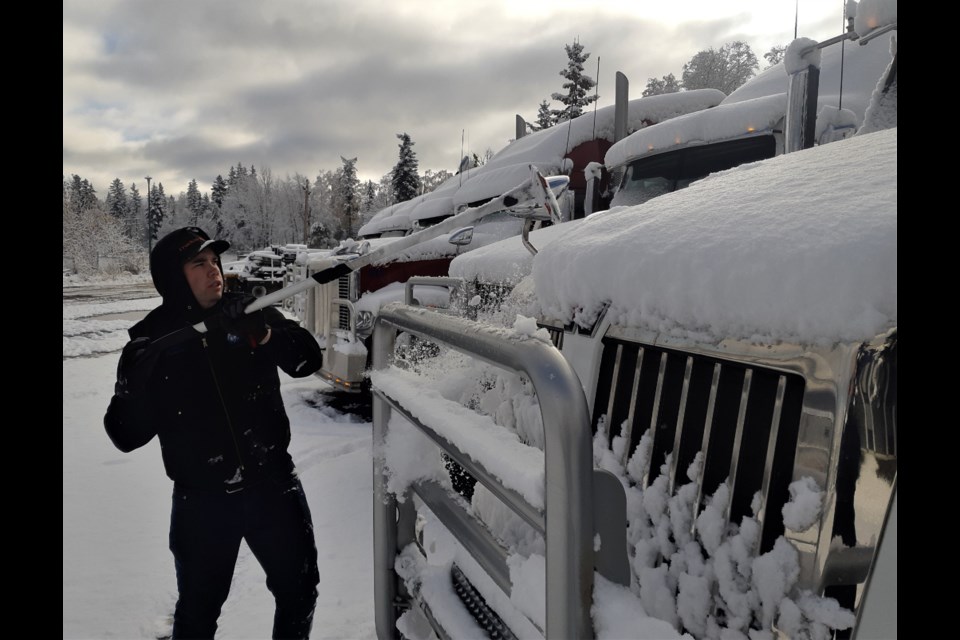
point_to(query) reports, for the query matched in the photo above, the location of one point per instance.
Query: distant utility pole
(149, 200)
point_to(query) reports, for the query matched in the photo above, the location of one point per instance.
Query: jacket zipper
(216, 383)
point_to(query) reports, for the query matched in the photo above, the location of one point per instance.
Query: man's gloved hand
(251, 326)
(137, 361)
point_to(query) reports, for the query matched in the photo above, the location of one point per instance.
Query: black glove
(136, 364)
(251, 326)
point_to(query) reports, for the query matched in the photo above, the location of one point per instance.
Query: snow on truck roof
(545, 149)
(798, 247)
(760, 103)
(719, 123)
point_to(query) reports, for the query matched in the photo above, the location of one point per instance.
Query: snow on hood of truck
(719, 123)
(432, 208)
(799, 247)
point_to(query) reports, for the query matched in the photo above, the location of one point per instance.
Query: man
(214, 401)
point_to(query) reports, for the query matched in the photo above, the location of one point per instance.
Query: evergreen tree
(544, 117)
(194, 201)
(406, 177)
(156, 205)
(369, 197)
(135, 219)
(219, 190)
(349, 197)
(117, 200)
(725, 69)
(659, 86)
(82, 195)
(577, 85)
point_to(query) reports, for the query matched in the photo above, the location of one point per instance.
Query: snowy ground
(118, 578)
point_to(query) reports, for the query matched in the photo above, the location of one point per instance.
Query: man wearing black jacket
(214, 402)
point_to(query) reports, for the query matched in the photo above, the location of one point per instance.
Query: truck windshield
(650, 177)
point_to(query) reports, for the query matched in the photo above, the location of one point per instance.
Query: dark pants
(206, 528)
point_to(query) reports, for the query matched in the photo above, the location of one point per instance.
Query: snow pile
(803, 509)
(794, 62)
(872, 14)
(799, 247)
(720, 123)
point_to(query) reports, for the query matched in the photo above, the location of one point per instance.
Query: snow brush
(532, 195)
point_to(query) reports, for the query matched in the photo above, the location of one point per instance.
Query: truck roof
(761, 102)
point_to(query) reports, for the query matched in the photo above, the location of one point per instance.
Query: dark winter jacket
(213, 400)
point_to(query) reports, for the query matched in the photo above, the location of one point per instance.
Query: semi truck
(689, 428)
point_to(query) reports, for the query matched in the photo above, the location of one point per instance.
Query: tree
(432, 179)
(136, 220)
(117, 200)
(659, 86)
(775, 55)
(577, 85)
(156, 208)
(349, 195)
(194, 201)
(218, 191)
(544, 117)
(725, 69)
(406, 177)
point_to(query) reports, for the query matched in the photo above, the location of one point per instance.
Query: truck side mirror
(461, 237)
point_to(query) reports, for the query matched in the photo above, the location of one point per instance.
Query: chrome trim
(705, 441)
(771, 448)
(471, 533)
(681, 414)
(509, 497)
(613, 389)
(738, 439)
(568, 466)
(627, 433)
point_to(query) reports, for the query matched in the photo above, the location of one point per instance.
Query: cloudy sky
(184, 89)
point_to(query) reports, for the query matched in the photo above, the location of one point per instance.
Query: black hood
(166, 267)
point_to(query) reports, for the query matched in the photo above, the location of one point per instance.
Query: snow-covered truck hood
(798, 247)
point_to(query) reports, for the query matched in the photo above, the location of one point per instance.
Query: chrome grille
(744, 418)
(343, 313)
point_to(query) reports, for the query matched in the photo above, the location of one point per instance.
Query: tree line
(250, 207)
(725, 69)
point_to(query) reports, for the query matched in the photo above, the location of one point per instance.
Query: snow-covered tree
(136, 218)
(156, 210)
(369, 201)
(659, 86)
(577, 85)
(218, 190)
(349, 195)
(544, 117)
(775, 55)
(406, 176)
(194, 201)
(725, 68)
(117, 200)
(432, 179)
